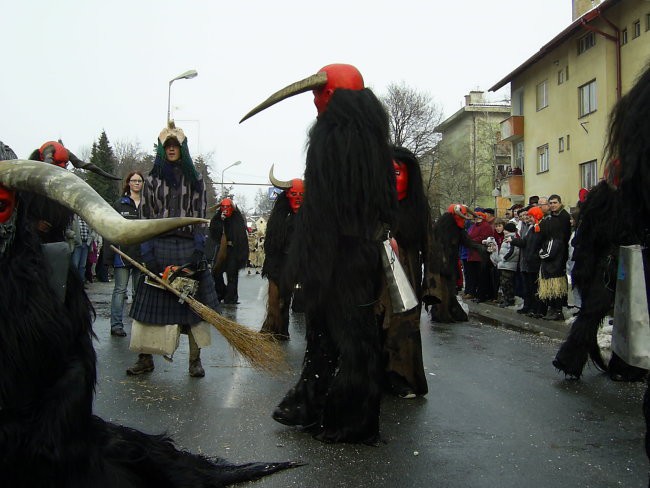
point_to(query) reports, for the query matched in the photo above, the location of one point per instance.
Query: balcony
(512, 128)
(513, 187)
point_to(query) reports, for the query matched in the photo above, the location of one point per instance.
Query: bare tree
(263, 204)
(130, 157)
(413, 117)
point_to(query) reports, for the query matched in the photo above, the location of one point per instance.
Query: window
(647, 22)
(589, 174)
(519, 155)
(560, 77)
(624, 37)
(560, 144)
(636, 29)
(568, 142)
(542, 95)
(586, 42)
(542, 158)
(587, 95)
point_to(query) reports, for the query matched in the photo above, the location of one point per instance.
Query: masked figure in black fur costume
(348, 207)
(448, 234)
(609, 218)
(279, 234)
(614, 213)
(402, 341)
(48, 434)
(228, 232)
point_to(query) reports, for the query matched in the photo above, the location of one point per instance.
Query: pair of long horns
(302, 86)
(48, 157)
(74, 193)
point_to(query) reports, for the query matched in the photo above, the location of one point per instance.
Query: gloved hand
(154, 266)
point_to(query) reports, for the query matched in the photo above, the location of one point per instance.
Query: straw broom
(262, 351)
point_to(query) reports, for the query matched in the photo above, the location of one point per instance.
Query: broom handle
(157, 278)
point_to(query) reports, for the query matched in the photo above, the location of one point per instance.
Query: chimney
(581, 7)
(475, 97)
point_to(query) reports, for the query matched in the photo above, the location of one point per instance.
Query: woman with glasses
(128, 206)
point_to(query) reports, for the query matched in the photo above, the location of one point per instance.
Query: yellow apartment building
(561, 98)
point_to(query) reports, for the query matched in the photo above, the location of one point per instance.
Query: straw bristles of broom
(552, 287)
(261, 350)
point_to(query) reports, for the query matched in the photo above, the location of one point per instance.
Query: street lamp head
(188, 75)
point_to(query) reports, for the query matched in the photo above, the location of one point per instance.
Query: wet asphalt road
(497, 414)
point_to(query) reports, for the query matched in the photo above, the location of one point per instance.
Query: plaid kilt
(152, 305)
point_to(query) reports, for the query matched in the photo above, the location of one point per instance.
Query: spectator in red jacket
(477, 266)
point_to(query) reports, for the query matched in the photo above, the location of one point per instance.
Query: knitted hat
(536, 213)
(510, 227)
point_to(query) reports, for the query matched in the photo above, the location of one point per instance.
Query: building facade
(469, 156)
(562, 96)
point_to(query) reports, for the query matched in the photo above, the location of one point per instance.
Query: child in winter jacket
(506, 259)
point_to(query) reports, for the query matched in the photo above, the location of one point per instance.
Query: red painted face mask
(7, 204)
(295, 194)
(455, 209)
(226, 208)
(338, 76)
(402, 179)
(59, 154)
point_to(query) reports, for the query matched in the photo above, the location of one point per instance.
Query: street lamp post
(184, 76)
(236, 163)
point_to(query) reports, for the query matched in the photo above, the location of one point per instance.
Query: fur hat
(510, 227)
(171, 132)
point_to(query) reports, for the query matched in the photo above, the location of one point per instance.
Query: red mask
(338, 76)
(456, 208)
(295, 194)
(402, 179)
(226, 208)
(7, 204)
(60, 156)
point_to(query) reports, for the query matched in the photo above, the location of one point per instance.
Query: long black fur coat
(49, 436)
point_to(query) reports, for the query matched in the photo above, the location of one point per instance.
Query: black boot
(144, 364)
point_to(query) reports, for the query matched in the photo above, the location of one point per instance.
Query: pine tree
(102, 156)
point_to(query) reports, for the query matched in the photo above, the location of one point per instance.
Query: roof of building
(556, 41)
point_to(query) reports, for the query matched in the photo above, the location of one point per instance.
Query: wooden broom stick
(260, 350)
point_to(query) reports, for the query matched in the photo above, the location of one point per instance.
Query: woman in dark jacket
(529, 264)
(128, 206)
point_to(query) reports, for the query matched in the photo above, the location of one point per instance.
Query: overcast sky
(73, 68)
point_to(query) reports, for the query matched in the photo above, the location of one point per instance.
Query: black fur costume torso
(48, 434)
(350, 197)
(279, 234)
(404, 366)
(444, 253)
(231, 258)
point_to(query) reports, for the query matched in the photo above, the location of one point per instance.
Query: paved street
(497, 413)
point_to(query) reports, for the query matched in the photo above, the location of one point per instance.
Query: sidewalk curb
(510, 318)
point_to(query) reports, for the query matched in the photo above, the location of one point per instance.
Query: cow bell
(401, 292)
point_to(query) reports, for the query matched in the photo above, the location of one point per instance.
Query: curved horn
(471, 212)
(279, 183)
(78, 163)
(469, 215)
(309, 83)
(74, 193)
